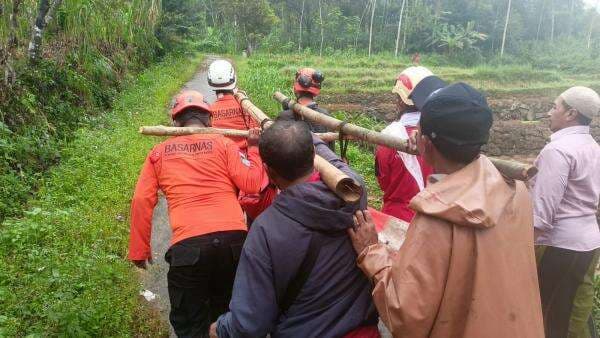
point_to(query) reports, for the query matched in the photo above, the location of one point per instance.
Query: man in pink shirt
(565, 195)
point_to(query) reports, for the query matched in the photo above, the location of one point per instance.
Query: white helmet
(408, 80)
(221, 75)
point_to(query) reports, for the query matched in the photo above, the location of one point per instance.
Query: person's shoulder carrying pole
(293, 289)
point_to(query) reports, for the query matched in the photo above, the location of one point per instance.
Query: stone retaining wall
(520, 123)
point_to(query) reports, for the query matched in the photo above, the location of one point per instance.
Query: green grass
(359, 74)
(64, 270)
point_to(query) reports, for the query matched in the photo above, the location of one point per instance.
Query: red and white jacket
(400, 175)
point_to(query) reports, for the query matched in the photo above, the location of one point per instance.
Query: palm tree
(505, 28)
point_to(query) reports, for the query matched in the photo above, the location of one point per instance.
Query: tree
(593, 18)
(371, 26)
(322, 28)
(255, 17)
(300, 28)
(6, 55)
(553, 14)
(539, 27)
(505, 28)
(399, 27)
(455, 37)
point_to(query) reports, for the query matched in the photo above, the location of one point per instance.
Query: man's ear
(571, 114)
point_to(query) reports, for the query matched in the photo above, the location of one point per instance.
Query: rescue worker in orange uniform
(226, 111)
(200, 175)
(307, 86)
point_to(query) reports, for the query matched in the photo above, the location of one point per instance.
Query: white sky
(591, 2)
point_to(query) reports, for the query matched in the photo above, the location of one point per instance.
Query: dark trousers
(567, 291)
(200, 280)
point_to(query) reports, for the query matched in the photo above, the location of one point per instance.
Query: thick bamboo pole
(510, 169)
(341, 184)
(179, 131)
(331, 123)
(253, 110)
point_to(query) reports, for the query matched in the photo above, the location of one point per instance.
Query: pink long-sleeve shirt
(566, 191)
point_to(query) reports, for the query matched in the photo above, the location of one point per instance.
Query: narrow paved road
(155, 278)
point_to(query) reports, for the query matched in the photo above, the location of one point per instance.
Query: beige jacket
(467, 267)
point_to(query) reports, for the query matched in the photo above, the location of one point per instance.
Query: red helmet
(187, 99)
(308, 80)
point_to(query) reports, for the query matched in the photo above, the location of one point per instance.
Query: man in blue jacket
(297, 275)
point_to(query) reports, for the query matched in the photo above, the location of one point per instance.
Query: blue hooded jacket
(336, 297)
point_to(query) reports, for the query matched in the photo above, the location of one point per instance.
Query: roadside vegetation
(63, 271)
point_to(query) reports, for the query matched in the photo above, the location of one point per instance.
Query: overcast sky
(590, 2)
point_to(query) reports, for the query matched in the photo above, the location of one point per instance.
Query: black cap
(459, 114)
(424, 88)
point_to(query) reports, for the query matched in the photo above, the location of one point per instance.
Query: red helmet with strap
(189, 99)
(308, 80)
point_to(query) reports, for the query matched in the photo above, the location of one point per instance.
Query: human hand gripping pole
(253, 137)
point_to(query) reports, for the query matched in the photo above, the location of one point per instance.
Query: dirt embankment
(520, 127)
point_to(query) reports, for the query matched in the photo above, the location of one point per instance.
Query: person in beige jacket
(467, 266)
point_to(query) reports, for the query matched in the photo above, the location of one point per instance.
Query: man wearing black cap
(467, 266)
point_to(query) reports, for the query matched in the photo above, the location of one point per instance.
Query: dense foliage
(51, 86)
(444, 26)
(62, 268)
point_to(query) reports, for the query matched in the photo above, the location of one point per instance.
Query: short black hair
(463, 154)
(287, 148)
(224, 91)
(583, 120)
(192, 114)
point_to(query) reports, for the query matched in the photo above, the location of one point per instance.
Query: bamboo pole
(253, 110)
(337, 181)
(332, 123)
(515, 170)
(341, 184)
(330, 137)
(179, 131)
(510, 169)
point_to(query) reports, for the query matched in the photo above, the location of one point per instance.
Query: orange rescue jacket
(228, 113)
(200, 176)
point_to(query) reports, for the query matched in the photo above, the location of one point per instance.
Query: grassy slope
(63, 270)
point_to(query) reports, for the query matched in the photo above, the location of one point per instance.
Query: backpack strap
(296, 284)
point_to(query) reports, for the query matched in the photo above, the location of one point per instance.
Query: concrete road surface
(155, 278)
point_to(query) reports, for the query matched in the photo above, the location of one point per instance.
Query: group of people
(261, 246)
